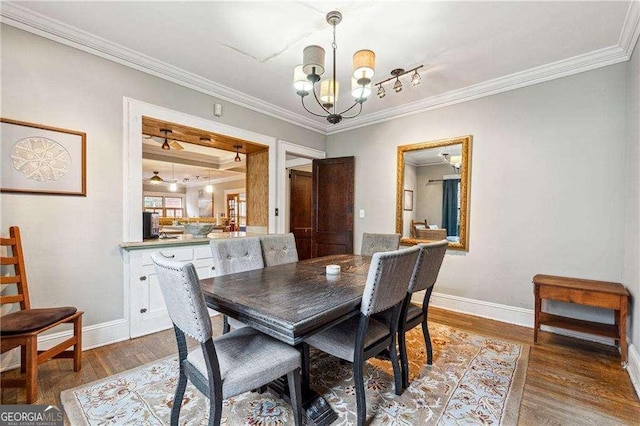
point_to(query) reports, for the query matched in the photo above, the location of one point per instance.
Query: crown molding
(566, 67)
(630, 29)
(598, 58)
(27, 20)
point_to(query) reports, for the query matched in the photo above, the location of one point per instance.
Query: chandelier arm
(351, 107)
(311, 112)
(354, 115)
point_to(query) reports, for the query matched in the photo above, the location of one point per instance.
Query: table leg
(616, 321)
(623, 331)
(538, 307)
(316, 409)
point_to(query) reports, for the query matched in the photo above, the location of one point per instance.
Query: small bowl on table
(198, 230)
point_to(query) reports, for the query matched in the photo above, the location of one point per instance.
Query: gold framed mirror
(437, 176)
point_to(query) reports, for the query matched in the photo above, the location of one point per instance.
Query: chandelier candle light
(306, 76)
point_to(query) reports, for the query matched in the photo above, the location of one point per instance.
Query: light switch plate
(361, 213)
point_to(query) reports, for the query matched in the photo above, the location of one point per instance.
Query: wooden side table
(601, 294)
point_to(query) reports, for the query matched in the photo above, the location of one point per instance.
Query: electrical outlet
(361, 213)
(217, 110)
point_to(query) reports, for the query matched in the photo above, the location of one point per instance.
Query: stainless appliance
(150, 225)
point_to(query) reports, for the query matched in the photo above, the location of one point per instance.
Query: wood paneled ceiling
(180, 133)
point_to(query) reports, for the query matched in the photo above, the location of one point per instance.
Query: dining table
(291, 302)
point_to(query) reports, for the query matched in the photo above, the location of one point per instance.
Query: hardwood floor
(569, 381)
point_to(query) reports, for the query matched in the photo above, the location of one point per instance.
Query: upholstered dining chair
(372, 243)
(362, 337)
(233, 255)
(22, 327)
(424, 277)
(237, 362)
(278, 249)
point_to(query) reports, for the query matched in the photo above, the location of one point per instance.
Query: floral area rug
(473, 380)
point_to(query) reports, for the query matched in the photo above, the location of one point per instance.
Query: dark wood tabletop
(293, 301)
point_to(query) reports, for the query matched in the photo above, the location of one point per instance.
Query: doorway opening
(263, 187)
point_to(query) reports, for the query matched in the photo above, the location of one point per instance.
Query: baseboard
(503, 313)
(93, 336)
(633, 368)
(481, 308)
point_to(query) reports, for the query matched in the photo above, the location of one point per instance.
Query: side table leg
(623, 331)
(538, 307)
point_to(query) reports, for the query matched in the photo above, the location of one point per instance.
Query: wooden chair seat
(21, 328)
(29, 320)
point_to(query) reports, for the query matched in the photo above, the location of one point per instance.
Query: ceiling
(431, 156)
(244, 52)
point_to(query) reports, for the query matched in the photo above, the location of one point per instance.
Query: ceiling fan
(167, 144)
(157, 180)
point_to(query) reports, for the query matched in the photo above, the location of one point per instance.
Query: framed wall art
(40, 159)
(408, 199)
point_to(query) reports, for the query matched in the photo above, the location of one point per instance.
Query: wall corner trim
(633, 367)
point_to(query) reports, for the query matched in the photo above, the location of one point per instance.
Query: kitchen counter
(184, 239)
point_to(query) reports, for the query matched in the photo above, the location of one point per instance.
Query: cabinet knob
(143, 278)
(143, 310)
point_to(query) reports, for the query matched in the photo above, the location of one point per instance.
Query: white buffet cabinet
(147, 310)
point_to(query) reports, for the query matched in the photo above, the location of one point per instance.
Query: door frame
(283, 149)
(133, 111)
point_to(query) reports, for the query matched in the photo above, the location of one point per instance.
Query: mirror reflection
(433, 192)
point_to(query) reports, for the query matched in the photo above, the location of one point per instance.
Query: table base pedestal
(316, 409)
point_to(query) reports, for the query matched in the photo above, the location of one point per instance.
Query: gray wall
(547, 189)
(429, 195)
(632, 232)
(71, 243)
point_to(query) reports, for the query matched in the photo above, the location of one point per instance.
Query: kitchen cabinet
(147, 310)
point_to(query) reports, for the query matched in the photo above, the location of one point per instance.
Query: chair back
(234, 255)
(428, 265)
(388, 279)
(183, 297)
(19, 277)
(279, 249)
(373, 243)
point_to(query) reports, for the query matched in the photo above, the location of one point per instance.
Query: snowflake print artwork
(41, 159)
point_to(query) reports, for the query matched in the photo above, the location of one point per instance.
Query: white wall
(632, 232)
(547, 189)
(71, 243)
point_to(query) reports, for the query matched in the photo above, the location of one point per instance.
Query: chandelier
(454, 160)
(306, 76)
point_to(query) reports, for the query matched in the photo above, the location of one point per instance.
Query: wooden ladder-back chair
(21, 328)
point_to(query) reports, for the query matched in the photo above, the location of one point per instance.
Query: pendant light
(166, 145)
(237, 159)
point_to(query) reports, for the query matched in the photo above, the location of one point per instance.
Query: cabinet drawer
(182, 254)
(582, 297)
(203, 252)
